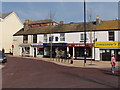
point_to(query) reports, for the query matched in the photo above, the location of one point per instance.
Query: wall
(11, 24)
(17, 40)
(0, 35)
(101, 35)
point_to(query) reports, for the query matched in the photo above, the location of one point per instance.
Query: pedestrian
(113, 62)
(68, 56)
(72, 58)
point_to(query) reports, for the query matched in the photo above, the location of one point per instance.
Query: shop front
(77, 50)
(24, 49)
(58, 49)
(107, 49)
(37, 49)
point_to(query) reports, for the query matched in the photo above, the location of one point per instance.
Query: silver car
(3, 58)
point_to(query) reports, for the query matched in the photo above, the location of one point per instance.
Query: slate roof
(3, 15)
(71, 27)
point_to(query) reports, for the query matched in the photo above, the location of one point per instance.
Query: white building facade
(99, 44)
(9, 25)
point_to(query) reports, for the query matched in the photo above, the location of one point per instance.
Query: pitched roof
(40, 21)
(71, 27)
(3, 15)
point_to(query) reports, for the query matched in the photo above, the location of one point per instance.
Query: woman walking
(113, 62)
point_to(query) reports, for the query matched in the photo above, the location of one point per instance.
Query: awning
(24, 45)
(37, 45)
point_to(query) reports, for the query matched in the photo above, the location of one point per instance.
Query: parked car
(3, 58)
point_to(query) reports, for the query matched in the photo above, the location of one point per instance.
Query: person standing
(113, 62)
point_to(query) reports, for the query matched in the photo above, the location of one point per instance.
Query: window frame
(25, 38)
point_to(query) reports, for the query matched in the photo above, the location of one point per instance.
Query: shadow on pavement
(108, 72)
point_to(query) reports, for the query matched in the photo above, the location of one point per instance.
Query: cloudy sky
(65, 11)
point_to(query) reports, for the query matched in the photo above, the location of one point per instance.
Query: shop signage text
(108, 44)
(80, 45)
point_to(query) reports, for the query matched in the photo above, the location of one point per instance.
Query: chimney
(61, 22)
(98, 21)
(26, 24)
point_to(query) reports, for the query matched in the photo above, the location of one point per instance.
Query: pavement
(78, 63)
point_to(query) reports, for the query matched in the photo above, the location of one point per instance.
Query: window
(25, 38)
(51, 39)
(111, 35)
(62, 37)
(45, 37)
(82, 37)
(56, 38)
(34, 38)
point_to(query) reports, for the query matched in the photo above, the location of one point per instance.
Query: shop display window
(39, 51)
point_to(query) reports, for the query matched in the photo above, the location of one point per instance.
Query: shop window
(39, 51)
(56, 38)
(45, 37)
(34, 38)
(62, 37)
(25, 38)
(26, 51)
(111, 35)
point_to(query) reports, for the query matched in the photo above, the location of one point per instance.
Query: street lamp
(84, 33)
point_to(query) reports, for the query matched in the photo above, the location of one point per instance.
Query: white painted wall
(30, 39)
(117, 35)
(101, 35)
(72, 37)
(97, 54)
(17, 40)
(1, 35)
(10, 25)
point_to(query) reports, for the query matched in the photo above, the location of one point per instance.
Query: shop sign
(55, 44)
(108, 44)
(36, 44)
(80, 45)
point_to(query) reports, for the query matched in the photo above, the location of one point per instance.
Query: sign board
(108, 44)
(80, 45)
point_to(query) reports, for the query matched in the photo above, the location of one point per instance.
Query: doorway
(34, 52)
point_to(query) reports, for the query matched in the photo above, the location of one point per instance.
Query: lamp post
(84, 33)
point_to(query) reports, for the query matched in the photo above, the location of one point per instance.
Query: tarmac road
(33, 73)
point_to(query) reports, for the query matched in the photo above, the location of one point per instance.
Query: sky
(62, 11)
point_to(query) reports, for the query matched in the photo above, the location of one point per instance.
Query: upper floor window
(34, 38)
(62, 37)
(111, 35)
(51, 38)
(82, 36)
(45, 37)
(25, 38)
(56, 38)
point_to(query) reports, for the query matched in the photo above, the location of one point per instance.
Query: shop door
(71, 51)
(34, 52)
(118, 55)
(106, 55)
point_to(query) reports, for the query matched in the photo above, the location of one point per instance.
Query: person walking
(68, 56)
(113, 62)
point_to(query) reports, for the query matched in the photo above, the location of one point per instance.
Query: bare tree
(90, 27)
(51, 17)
